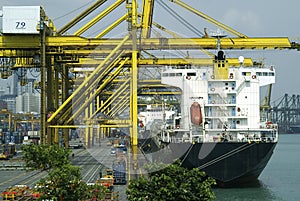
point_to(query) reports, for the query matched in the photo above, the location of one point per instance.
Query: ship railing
(179, 140)
(264, 135)
(218, 99)
(182, 135)
(217, 123)
(234, 135)
(197, 138)
(230, 135)
(222, 113)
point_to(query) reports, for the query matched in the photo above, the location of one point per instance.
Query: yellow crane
(108, 67)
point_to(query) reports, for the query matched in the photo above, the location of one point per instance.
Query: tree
(64, 181)
(45, 157)
(171, 182)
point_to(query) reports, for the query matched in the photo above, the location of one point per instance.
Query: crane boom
(80, 17)
(99, 17)
(210, 19)
(147, 18)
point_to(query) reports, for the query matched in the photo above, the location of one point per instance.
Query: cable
(180, 19)
(73, 11)
(187, 153)
(35, 76)
(226, 155)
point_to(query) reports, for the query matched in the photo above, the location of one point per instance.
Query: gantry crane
(286, 112)
(105, 92)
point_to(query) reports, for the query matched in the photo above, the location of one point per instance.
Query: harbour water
(280, 180)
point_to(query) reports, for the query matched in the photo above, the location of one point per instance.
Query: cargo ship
(220, 127)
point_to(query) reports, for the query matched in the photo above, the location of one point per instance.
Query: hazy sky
(254, 18)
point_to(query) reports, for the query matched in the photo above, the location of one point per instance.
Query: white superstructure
(229, 98)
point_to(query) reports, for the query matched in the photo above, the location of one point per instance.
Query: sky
(254, 18)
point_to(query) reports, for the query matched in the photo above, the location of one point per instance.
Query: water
(280, 180)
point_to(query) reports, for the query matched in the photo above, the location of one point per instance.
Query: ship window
(223, 65)
(178, 74)
(219, 65)
(258, 73)
(165, 74)
(226, 83)
(191, 74)
(271, 74)
(172, 74)
(237, 122)
(265, 74)
(246, 73)
(233, 85)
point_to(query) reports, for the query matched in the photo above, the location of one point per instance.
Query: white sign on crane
(21, 19)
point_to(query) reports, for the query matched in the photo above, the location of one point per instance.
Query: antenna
(218, 34)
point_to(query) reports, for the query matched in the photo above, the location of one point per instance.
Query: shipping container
(119, 171)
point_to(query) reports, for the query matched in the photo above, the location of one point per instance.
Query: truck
(119, 172)
(107, 180)
(76, 144)
(7, 151)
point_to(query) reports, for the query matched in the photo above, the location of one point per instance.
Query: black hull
(231, 164)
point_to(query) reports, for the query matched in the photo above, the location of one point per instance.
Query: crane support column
(134, 74)
(50, 97)
(133, 88)
(43, 81)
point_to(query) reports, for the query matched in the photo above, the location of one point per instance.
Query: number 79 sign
(20, 25)
(21, 19)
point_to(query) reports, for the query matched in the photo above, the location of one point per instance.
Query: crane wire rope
(179, 52)
(187, 153)
(180, 19)
(66, 14)
(226, 155)
(32, 71)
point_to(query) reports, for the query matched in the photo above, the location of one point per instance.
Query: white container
(21, 19)
(30, 133)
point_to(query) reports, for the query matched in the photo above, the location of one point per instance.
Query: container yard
(105, 169)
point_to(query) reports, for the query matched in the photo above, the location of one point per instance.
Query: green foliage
(171, 182)
(45, 157)
(64, 183)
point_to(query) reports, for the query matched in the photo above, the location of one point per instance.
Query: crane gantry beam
(69, 42)
(89, 63)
